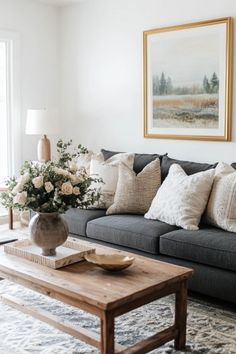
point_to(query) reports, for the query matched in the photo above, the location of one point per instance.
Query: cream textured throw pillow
(134, 193)
(181, 199)
(221, 207)
(108, 171)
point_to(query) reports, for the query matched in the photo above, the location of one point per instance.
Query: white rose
(73, 166)
(48, 187)
(60, 171)
(38, 181)
(25, 178)
(75, 179)
(20, 198)
(67, 188)
(21, 182)
(76, 190)
(18, 188)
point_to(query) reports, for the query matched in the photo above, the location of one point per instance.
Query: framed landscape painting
(188, 81)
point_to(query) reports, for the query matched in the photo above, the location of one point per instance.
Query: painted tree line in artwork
(162, 86)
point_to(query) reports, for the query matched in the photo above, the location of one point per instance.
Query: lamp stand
(44, 149)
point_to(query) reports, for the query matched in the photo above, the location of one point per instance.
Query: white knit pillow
(221, 207)
(108, 171)
(181, 199)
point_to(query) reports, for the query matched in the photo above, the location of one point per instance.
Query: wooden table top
(92, 285)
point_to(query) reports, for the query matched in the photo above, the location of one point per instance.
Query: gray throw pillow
(189, 167)
(140, 160)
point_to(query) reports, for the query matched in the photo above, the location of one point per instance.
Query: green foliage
(211, 86)
(214, 83)
(163, 86)
(64, 156)
(155, 85)
(206, 85)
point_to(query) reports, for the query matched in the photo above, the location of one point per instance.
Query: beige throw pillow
(181, 199)
(221, 207)
(108, 171)
(134, 193)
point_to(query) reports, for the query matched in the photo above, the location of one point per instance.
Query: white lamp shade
(41, 121)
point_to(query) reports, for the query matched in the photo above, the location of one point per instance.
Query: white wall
(38, 28)
(101, 65)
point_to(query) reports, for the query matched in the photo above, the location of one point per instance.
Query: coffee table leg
(107, 334)
(181, 316)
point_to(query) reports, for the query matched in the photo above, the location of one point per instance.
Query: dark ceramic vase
(48, 231)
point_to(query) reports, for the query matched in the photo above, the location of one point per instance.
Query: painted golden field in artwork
(186, 111)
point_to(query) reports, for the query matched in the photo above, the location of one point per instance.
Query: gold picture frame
(188, 81)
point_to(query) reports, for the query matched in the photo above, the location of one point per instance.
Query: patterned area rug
(210, 329)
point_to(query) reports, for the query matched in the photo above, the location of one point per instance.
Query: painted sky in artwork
(185, 58)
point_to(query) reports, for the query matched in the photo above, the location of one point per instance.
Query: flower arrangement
(53, 186)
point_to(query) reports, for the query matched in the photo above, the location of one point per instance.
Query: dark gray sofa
(210, 251)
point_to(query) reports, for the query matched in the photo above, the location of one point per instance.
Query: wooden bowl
(112, 262)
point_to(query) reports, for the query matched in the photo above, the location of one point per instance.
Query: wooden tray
(70, 252)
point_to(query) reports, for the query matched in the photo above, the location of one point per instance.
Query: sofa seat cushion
(77, 219)
(130, 231)
(207, 245)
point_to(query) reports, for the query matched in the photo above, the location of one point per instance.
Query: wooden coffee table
(104, 294)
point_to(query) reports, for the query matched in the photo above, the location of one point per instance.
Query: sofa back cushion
(189, 167)
(140, 160)
(233, 165)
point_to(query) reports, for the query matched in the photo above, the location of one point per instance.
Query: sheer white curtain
(10, 123)
(4, 124)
